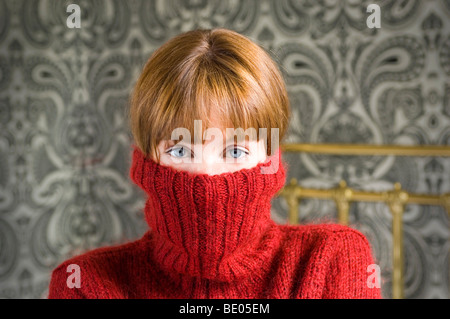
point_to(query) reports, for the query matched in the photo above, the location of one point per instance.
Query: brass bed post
(291, 193)
(342, 196)
(396, 200)
(445, 201)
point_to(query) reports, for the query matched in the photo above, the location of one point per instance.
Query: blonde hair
(205, 75)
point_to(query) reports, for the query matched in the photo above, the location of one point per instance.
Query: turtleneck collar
(210, 226)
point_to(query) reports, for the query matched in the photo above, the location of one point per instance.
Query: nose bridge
(209, 164)
(208, 154)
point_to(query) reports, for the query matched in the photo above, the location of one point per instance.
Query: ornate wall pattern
(64, 185)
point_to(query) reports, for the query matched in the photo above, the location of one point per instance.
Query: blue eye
(178, 151)
(237, 153)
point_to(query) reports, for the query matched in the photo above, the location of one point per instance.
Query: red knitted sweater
(212, 237)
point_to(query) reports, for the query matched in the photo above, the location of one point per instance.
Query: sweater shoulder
(336, 256)
(323, 233)
(320, 229)
(102, 254)
(97, 269)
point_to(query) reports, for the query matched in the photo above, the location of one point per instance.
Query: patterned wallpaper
(64, 140)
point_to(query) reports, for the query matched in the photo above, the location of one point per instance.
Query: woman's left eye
(237, 152)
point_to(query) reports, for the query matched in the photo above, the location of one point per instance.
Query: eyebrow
(168, 143)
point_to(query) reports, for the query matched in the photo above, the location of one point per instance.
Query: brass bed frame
(343, 196)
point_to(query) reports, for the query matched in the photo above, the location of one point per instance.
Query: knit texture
(213, 237)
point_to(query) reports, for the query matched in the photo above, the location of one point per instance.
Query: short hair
(207, 74)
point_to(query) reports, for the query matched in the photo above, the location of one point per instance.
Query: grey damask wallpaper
(64, 140)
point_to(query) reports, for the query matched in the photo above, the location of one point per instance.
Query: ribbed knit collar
(210, 226)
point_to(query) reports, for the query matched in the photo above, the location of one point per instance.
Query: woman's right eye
(178, 152)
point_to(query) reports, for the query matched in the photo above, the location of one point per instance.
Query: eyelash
(224, 153)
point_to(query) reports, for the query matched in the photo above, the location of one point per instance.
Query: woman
(209, 199)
